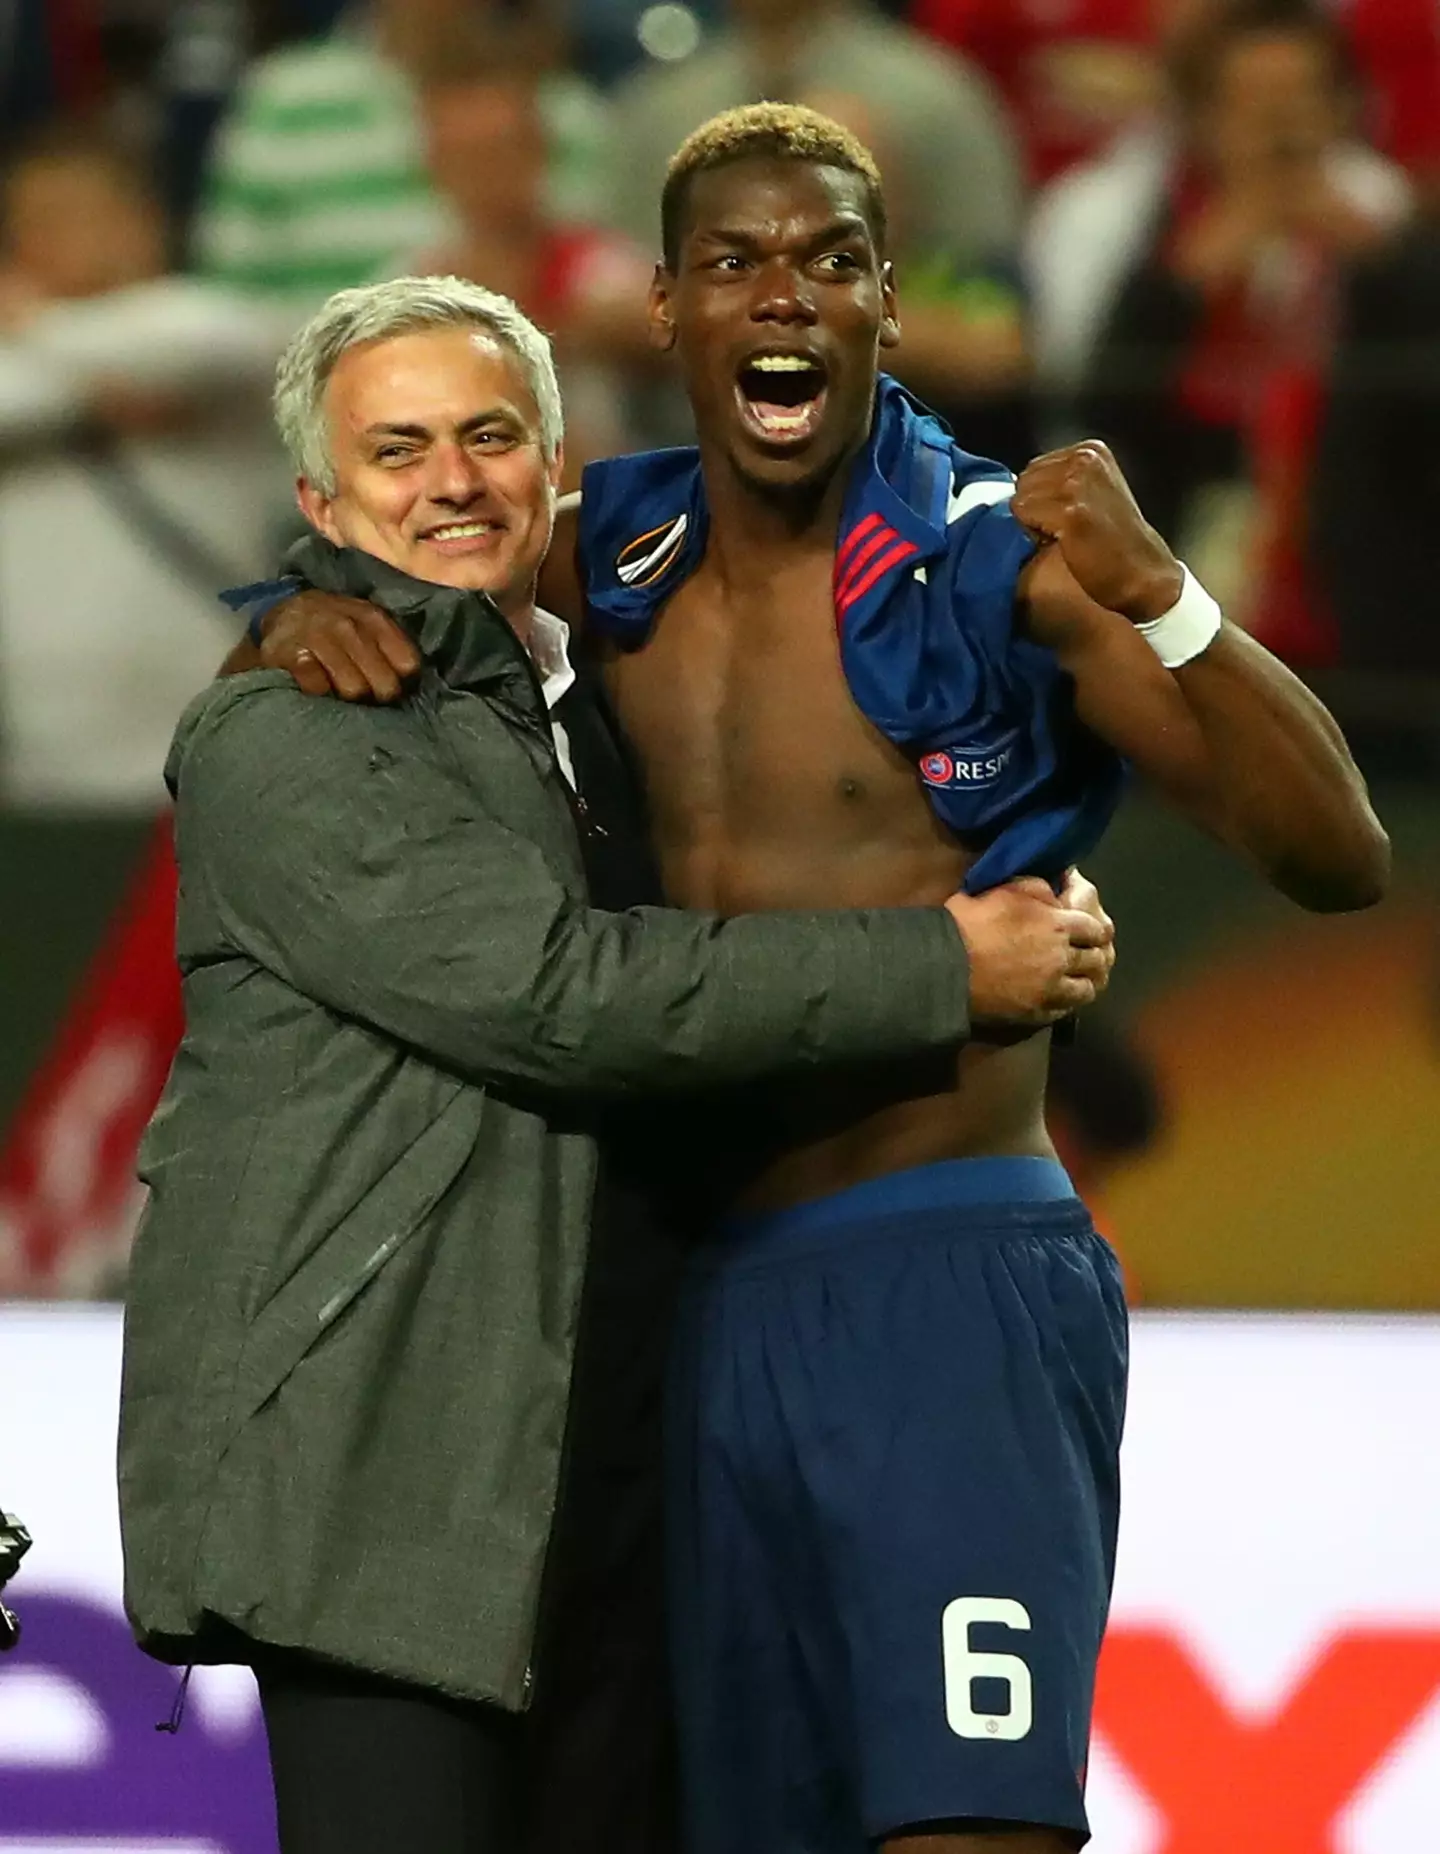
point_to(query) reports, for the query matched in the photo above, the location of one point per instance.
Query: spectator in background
(948, 154)
(1184, 288)
(487, 151)
(1376, 484)
(131, 482)
(49, 59)
(1073, 71)
(319, 177)
(1396, 47)
(204, 52)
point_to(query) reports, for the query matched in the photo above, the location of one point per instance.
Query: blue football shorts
(892, 1493)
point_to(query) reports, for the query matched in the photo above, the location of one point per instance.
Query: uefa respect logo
(125, 1785)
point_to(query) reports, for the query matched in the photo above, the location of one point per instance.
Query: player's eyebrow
(732, 235)
(739, 238)
(851, 225)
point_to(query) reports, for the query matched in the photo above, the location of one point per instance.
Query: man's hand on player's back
(1034, 956)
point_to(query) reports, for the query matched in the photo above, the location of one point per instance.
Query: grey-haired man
(416, 985)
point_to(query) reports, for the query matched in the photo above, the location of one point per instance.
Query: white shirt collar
(550, 653)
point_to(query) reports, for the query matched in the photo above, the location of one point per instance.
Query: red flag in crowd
(69, 1197)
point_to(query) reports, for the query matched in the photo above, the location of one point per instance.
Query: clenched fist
(1077, 501)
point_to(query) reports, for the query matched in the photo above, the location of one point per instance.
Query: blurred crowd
(1205, 230)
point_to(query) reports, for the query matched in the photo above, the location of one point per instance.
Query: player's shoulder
(986, 547)
(976, 483)
(634, 514)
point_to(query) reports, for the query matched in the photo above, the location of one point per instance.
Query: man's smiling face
(439, 464)
(778, 307)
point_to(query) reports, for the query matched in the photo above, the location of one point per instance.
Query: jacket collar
(463, 636)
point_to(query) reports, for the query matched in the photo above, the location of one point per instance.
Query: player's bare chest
(742, 701)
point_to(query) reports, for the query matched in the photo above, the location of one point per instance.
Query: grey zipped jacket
(354, 1292)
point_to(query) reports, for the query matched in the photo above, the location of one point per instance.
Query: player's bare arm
(1232, 737)
(332, 645)
(561, 588)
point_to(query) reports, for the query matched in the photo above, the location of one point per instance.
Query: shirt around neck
(550, 653)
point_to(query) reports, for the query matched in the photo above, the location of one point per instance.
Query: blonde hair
(780, 131)
(376, 311)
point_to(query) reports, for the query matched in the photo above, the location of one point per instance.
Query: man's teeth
(783, 363)
(462, 530)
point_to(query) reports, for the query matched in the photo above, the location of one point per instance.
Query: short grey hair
(376, 311)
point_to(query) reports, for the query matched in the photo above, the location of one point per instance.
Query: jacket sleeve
(376, 884)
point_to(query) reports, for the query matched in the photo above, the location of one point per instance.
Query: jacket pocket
(354, 1252)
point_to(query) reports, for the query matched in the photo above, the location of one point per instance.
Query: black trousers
(362, 1764)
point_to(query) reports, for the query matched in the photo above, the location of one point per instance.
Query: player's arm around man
(1217, 722)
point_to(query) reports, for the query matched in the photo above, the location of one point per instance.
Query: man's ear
(890, 325)
(555, 469)
(317, 510)
(659, 313)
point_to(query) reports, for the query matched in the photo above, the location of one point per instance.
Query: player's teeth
(785, 421)
(463, 531)
(783, 363)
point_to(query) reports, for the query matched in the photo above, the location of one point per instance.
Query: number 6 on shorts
(964, 1664)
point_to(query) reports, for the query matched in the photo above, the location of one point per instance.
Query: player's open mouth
(781, 396)
(473, 536)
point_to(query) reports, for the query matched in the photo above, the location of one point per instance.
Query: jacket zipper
(537, 722)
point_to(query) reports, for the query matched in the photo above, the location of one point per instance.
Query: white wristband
(1191, 625)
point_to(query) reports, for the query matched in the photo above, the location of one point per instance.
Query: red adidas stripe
(852, 540)
(902, 550)
(880, 539)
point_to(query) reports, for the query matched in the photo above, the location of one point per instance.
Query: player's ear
(890, 325)
(659, 313)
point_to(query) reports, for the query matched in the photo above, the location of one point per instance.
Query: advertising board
(1271, 1683)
